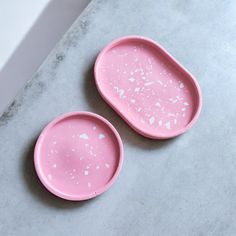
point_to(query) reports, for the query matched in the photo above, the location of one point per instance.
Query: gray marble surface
(184, 186)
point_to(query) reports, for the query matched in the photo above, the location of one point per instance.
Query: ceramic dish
(147, 87)
(78, 156)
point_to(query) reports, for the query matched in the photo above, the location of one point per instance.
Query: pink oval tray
(78, 156)
(147, 87)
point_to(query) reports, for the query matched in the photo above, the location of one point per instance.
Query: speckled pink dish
(147, 87)
(78, 156)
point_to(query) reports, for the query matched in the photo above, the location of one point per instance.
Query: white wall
(16, 18)
(27, 38)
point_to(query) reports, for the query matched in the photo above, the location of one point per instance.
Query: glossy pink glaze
(78, 155)
(151, 91)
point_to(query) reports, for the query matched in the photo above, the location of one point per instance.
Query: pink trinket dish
(147, 87)
(78, 156)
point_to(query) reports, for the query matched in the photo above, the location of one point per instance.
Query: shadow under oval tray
(78, 156)
(147, 87)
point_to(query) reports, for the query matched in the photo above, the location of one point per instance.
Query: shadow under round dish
(78, 156)
(147, 87)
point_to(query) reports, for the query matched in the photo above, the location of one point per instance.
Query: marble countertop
(184, 186)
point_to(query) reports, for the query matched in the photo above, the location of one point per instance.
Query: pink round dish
(78, 156)
(147, 87)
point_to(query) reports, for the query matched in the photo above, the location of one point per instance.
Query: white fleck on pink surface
(81, 157)
(151, 89)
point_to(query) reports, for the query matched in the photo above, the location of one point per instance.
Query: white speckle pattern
(151, 120)
(131, 79)
(168, 125)
(120, 91)
(150, 86)
(101, 136)
(84, 136)
(82, 153)
(148, 83)
(173, 100)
